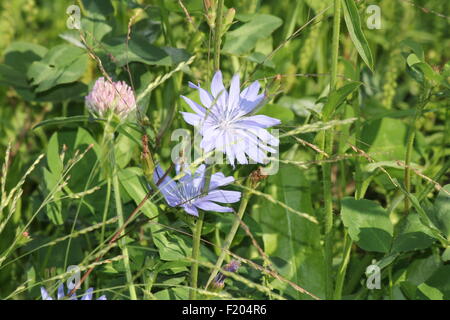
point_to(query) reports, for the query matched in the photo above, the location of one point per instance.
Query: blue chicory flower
(226, 123)
(61, 295)
(187, 191)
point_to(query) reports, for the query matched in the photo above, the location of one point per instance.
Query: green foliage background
(45, 72)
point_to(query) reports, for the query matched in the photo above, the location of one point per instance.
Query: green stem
(208, 173)
(326, 168)
(218, 34)
(231, 234)
(358, 172)
(410, 144)
(328, 220)
(122, 242)
(105, 209)
(391, 283)
(343, 267)
(409, 147)
(197, 237)
(195, 256)
(335, 44)
(109, 163)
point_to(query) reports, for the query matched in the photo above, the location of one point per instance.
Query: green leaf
(63, 92)
(53, 159)
(277, 111)
(353, 22)
(96, 29)
(438, 285)
(62, 64)
(260, 58)
(62, 121)
(337, 98)
(125, 146)
(415, 47)
(441, 212)
(98, 7)
(140, 50)
(291, 242)
(412, 234)
(18, 57)
(412, 59)
(73, 141)
(424, 218)
(385, 139)
(368, 224)
(133, 186)
(94, 21)
(173, 294)
(446, 255)
(53, 208)
(420, 66)
(170, 246)
(429, 292)
(12, 77)
(243, 39)
(420, 270)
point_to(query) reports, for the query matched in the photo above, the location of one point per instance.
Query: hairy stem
(218, 34)
(326, 168)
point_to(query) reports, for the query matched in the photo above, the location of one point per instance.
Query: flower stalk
(327, 144)
(195, 255)
(252, 184)
(208, 173)
(113, 177)
(410, 142)
(218, 34)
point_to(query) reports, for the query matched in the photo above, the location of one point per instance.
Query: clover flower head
(116, 96)
(187, 191)
(61, 295)
(227, 124)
